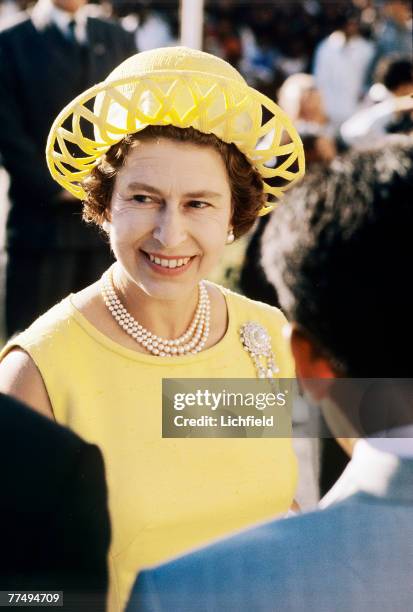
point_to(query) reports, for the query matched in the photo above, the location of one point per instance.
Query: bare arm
(20, 378)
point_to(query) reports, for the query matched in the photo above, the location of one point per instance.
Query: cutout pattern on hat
(223, 106)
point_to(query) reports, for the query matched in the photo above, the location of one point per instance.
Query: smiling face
(169, 216)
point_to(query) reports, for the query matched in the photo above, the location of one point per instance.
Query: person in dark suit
(46, 59)
(54, 521)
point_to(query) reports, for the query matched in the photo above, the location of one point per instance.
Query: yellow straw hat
(173, 86)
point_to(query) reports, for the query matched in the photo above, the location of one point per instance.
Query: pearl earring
(230, 236)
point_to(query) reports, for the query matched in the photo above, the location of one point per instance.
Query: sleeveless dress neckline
(114, 346)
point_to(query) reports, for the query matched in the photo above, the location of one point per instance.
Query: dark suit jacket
(40, 72)
(54, 522)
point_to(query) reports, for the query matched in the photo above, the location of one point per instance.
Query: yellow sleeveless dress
(165, 495)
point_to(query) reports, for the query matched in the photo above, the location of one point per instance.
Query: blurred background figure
(261, 55)
(394, 31)
(148, 21)
(388, 105)
(300, 98)
(46, 58)
(8, 8)
(340, 68)
(393, 77)
(224, 23)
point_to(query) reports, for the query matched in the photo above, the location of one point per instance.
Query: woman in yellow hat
(165, 155)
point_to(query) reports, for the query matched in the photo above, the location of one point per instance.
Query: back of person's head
(396, 74)
(339, 251)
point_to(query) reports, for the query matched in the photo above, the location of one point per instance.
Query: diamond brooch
(257, 341)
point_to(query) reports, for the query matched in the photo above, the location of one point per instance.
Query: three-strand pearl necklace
(192, 341)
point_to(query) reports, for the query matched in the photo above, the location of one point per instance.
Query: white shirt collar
(45, 13)
(399, 442)
(379, 467)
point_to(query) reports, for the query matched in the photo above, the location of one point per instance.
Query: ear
(311, 364)
(106, 226)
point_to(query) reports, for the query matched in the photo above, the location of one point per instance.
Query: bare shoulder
(89, 302)
(20, 378)
(87, 298)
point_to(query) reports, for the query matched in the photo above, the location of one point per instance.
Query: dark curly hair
(339, 252)
(246, 184)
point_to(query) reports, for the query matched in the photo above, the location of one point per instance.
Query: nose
(170, 228)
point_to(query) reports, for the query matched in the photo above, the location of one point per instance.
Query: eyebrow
(150, 189)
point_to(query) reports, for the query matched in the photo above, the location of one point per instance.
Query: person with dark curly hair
(167, 163)
(347, 272)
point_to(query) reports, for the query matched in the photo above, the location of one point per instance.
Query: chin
(167, 290)
(157, 286)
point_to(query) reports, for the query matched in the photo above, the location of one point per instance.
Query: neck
(165, 318)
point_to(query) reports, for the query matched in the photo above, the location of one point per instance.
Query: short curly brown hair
(247, 187)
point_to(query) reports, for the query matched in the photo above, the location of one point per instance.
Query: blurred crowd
(341, 70)
(322, 61)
